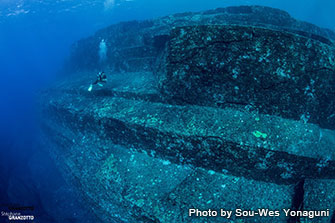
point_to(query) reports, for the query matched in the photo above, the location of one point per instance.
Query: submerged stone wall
(275, 72)
(134, 46)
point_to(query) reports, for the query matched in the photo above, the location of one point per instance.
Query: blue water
(35, 37)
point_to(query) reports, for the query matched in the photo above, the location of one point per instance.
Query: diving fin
(90, 87)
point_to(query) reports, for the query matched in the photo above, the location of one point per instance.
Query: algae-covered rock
(228, 109)
(206, 137)
(134, 46)
(122, 185)
(319, 198)
(275, 72)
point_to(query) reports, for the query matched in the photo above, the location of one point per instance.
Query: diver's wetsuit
(102, 78)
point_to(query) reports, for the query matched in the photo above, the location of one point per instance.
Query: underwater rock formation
(229, 108)
(287, 75)
(134, 46)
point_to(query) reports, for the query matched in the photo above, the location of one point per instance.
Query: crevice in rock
(298, 200)
(332, 220)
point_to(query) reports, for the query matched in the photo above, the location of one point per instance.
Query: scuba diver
(101, 79)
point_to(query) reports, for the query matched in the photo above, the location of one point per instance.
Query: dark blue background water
(35, 36)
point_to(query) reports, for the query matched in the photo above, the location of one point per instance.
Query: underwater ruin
(221, 109)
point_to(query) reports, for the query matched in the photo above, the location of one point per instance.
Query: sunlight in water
(109, 4)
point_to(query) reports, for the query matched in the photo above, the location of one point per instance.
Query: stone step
(261, 147)
(122, 185)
